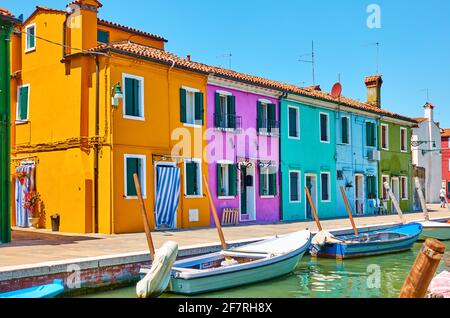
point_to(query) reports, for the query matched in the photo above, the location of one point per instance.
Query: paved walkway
(31, 246)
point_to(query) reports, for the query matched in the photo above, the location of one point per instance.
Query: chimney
(429, 111)
(373, 84)
(82, 24)
(188, 57)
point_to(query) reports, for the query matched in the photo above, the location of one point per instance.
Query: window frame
(387, 137)
(143, 176)
(266, 175)
(406, 139)
(299, 184)
(199, 180)
(404, 198)
(191, 90)
(227, 163)
(297, 110)
(22, 121)
(348, 130)
(142, 102)
(328, 186)
(30, 49)
(328, 128)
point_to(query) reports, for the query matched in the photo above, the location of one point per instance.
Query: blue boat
(392, 240)
(42, 291)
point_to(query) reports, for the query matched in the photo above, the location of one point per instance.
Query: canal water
(378, 276)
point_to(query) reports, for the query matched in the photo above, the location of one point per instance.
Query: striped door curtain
(22, 214)
(167, 196)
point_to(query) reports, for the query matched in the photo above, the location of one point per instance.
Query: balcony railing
(269, 127)
(227, 121)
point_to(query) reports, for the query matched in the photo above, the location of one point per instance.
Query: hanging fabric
(25, 182)
(167, 195)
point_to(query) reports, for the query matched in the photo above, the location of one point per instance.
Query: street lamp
(116, 91)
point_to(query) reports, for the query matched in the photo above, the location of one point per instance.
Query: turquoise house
(308, 150)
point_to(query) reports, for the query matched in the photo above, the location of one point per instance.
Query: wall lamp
(117, 94)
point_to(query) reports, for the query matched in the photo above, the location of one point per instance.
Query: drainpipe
(283, 96)
(96, 146)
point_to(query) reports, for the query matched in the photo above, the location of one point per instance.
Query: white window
(224, 110)
(133, 97)
(384, 179)
(404, 187)
(266, 117)
(293, 122)
(193, 179)
(134, 164)
(23, 103)
(384, 137)
(294, 186)
(324, 124)
(268, 181)
(226, 179)
(30, 37)
(403, 139)
(191, 107)
(325, 187)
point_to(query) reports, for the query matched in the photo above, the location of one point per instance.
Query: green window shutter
(137, 99)
(217, 114)
(102, 36)
(132, 97)
(345, 135)
(374, 135)
(272, 117)
(31, 37)
(294, 186)
(261, 182)
(324, 184)
(132, 168)
(182, 105)
(231, 112)
(273, 183)
(199, 111)
(369, 134)
(323, 127)
(293, 123)
(259, 115)
(191, 178)
(219, 179)
(232, 180)
(23, 107)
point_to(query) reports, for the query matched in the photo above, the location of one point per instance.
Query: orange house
(94, 102)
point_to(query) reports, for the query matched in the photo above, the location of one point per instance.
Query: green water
(321, 278)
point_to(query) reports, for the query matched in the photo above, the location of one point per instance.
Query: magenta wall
(267, 209)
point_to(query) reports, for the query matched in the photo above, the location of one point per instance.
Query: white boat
(436, 230)
(256, 262)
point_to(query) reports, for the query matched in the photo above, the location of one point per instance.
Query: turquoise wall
(308, 155)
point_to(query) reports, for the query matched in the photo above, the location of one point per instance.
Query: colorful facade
(445, 142)
(7, 22)
(243, 127)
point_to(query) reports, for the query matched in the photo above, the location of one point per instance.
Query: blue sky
(268, 37)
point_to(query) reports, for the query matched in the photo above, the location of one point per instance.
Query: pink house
(243, 149)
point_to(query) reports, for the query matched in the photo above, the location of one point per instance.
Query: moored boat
(250, 263)
(436, 230)
(42, 291)
(392, 240)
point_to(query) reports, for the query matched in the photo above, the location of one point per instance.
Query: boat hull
(43, 291)
(235, 279)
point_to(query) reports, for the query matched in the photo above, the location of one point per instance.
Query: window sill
(295, 202)
(30, 50)
(325, 201)
(134, 118)
(267, 197)
(325, 142)
(226, 198)
(133, 197)
(293, 138)
(193, 196)
(385, 149)
(22, 122)
(404, 151)
(192, 125)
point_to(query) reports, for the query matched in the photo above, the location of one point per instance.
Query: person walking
(442, 196)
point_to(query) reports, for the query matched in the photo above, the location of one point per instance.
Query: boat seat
(245, 254)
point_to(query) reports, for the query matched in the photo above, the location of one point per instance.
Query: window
(324, 128)
(23, 102)
(134, 164)
(267, 181)
(384, 137)
(371, 187)
(325, 187)
(191, 106)
(403, 138)
(294, 186)
(293, 122)
(133, 97)
(102, 36)
(30, 38)
(225, 111)
(226, 180)
(345, 130)
(404, 187)
(370, 134)
(384, 179)
(193, 178)
(266, 117)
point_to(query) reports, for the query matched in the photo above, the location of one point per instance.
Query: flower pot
(33, 222)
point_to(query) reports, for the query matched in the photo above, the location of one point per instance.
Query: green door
(309, 185)
(243, 190)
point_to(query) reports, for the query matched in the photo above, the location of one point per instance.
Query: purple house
(243, 149)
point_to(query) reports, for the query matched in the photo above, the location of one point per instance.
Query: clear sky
(268, 37)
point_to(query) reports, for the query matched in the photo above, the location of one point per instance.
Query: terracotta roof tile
(78, 2)
(5, 12)
(445, 132)
(373, 79)
(420, 119)
(129, 29)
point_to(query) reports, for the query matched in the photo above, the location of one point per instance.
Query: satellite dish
(336, 90)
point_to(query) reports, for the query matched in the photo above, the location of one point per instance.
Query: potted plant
(22, 176)
(30, 202)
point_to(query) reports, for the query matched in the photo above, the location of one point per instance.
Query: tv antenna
(428, 93)
(312, 62)
(229, 56)
(377, 44)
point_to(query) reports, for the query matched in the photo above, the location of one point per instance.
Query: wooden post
(421, 198)
(313, 208)
(144, 217)
(215, 215)
(349, 211)
(395, 202)
(423, 270)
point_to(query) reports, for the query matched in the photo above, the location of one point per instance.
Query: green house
(7, 22)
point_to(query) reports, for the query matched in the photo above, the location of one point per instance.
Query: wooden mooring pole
(423, 270)
(349, 211)
(313, 209)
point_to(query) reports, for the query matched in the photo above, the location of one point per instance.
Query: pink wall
(230, 146)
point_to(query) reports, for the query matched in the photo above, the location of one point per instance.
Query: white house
(426, 146)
